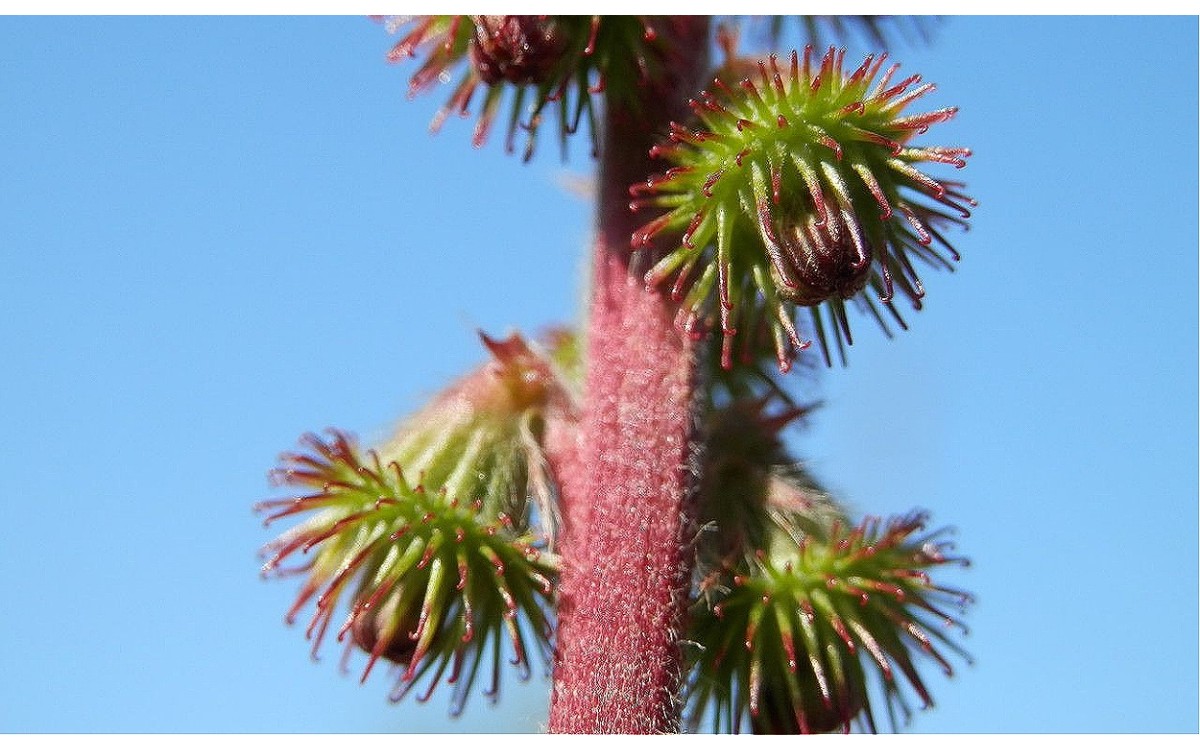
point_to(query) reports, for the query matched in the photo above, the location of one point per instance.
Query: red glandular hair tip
(795, 186)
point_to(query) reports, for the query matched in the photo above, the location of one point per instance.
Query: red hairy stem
(627, 505)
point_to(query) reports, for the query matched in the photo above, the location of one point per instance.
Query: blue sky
(218, 233)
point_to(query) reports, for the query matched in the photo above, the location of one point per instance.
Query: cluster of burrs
(795, 185)
(438, 542)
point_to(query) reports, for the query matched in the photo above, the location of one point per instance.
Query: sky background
(219, 233)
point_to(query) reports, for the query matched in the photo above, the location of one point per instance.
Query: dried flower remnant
(517, 49)
(796, 187)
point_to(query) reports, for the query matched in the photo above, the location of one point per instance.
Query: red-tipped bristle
(695, 222)
(706, 189)
(642, 236)
(861, 71)
(593, 32)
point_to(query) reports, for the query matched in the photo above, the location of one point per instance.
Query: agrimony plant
(486, 523)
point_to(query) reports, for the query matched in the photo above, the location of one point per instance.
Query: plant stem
(627, 501)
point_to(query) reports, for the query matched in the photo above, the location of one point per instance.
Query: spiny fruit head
(534, 62)
(433, 581)
(746, 477)
(792, 642)
(429, 536)
(796, 187)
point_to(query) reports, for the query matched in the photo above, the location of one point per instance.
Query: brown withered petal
(517, 49)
